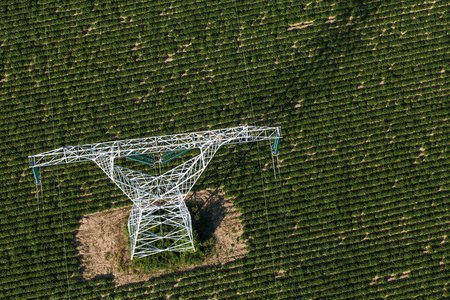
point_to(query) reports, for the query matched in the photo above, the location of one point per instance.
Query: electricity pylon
(159, 220)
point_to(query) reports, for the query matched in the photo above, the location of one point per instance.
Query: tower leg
(164, 228)
(133, 227)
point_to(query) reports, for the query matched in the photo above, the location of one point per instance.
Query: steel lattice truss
(159, 220)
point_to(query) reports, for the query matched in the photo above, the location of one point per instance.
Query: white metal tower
(159, 220)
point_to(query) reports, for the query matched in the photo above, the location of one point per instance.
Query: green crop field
(360, 206)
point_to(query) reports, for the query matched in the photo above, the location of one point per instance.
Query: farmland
(358, 208)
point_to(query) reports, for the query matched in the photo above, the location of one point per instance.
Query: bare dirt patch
(225, 226)
(331, 19)
(300, 25)
(396, 276)
(374, 280)
(299, 103)
(102, 241)
(280, 274)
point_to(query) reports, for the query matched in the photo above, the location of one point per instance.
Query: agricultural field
(357, 204)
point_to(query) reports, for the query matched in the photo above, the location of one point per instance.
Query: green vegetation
(359, 88)
(173, 261)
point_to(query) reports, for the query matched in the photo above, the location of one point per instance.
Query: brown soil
(102, 242)
(300, 25)
(226, 227)
(401, 275)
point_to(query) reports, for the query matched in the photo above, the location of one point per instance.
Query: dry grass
(102, 242)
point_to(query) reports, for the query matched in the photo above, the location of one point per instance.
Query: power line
(37, 196)
(54, 144)
(279, 187)
(285, 230)
(259, 157)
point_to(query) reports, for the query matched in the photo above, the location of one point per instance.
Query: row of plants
(358, 199)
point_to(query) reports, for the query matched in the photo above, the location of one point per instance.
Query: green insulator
(36, 175)
(172, 152)
(140, 160)
(175, 156)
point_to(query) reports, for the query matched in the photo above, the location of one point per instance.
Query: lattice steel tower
(159, 220)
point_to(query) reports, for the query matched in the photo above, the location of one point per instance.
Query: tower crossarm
(150, 145)
(69, 154)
